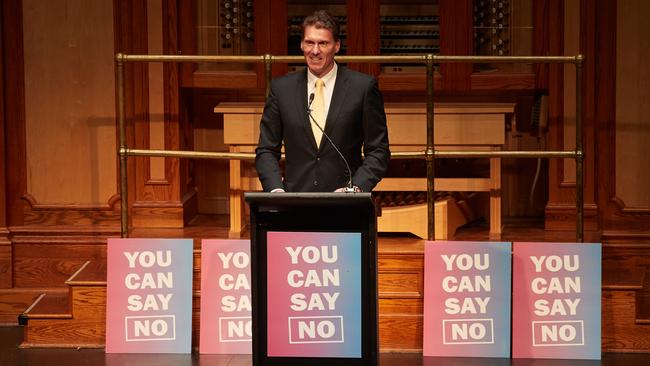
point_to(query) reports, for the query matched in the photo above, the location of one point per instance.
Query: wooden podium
(343, 222)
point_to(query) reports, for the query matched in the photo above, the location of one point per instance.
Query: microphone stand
(350, 187)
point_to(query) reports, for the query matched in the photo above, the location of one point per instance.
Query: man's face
(319, 48)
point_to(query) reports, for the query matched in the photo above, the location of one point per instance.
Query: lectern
(313, 278)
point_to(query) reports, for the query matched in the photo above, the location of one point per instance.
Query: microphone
(350, 187)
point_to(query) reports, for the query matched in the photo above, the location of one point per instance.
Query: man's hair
(322, 19)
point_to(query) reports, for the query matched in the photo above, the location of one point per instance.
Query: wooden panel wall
(456, 39)
(632, 107)
(363, 32)
(60, 119)
(270, 20)
(212, 179)
(69, 103)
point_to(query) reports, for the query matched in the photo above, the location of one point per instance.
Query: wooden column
(563, 22)
(271, 27)
(456, 40)
(620, 112)
(163, 197)
(5, 243)
(13, 129)
(363, 32)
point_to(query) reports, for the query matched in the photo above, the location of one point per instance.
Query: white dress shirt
(328, 89)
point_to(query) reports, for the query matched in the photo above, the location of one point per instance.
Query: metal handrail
(429, 154)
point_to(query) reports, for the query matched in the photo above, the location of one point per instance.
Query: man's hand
(343, 189)
(277, 190)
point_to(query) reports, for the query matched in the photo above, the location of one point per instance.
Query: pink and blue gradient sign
(466, 299)
(225, 297)
(556, 300)
(314, 294)
(149, 296)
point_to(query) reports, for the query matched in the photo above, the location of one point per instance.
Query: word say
(153, 302)
(231, 303)
(468, 305)
(300, 303)
(545, 307)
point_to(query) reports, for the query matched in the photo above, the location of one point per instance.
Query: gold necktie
(318, 111)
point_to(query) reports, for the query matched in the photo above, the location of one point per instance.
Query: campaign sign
(466, 299)
(556, 300)
(226, 325)
(314, 294)
(149, 296)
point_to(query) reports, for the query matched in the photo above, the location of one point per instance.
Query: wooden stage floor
(10, 354)
(216, 226)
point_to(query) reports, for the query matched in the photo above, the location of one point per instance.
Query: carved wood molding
(563, 217)
(111, 204)
(73, 215)
(629, 210)
(63, 234)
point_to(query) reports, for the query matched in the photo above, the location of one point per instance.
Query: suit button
(317, 159)
(315, 182)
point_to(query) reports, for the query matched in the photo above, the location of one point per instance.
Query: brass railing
(429, 154)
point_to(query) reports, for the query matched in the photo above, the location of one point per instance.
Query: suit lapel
(338, 98)
(301, 107)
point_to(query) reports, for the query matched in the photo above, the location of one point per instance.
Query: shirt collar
(311, 78)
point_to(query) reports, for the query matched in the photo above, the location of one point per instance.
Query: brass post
(431, 231)
(580, 226)
(124, 202)
(268, 60)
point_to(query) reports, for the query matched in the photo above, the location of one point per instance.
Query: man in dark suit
(346, 104)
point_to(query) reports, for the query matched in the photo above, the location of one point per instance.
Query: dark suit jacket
(356, 120)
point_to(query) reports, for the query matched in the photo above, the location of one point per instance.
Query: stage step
(643, 302)
(52, 306)
(400, 273)
(90, 274)
(71, 320)
(621, 302)
(13, 302)
(77, 318)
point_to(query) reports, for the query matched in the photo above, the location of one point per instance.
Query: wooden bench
(466, 126)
